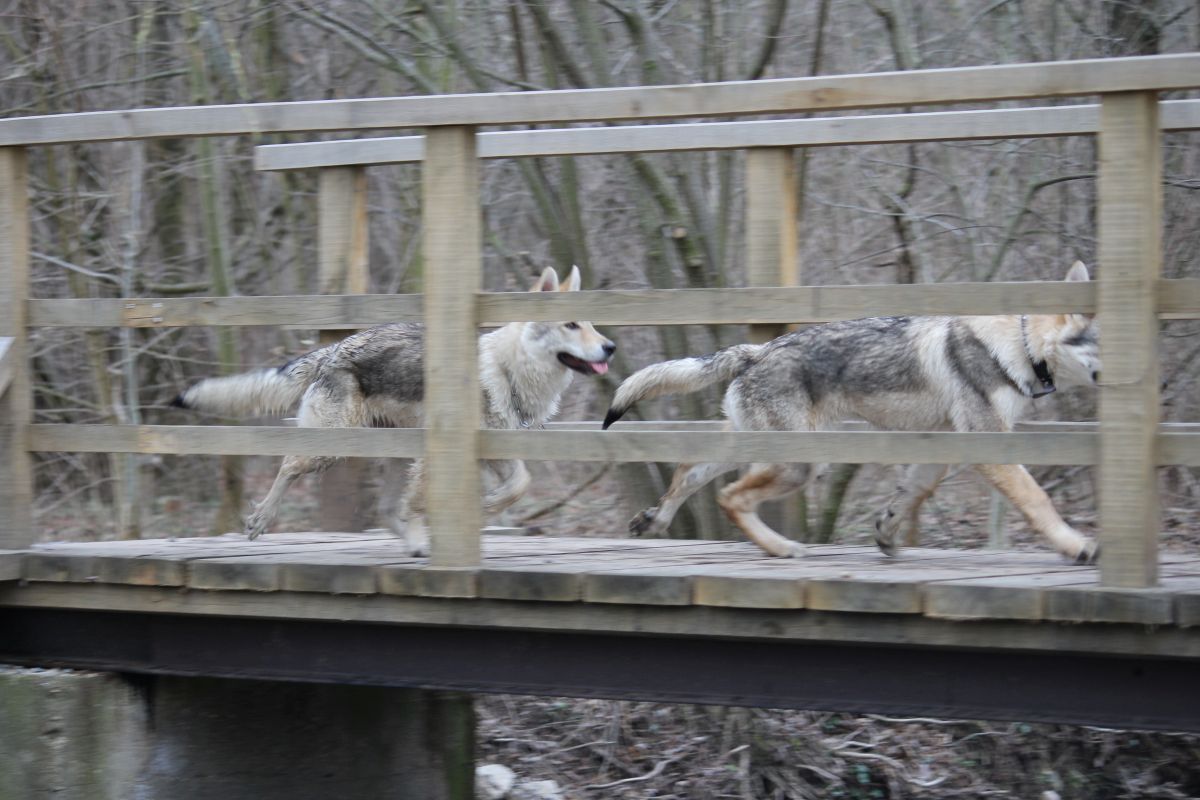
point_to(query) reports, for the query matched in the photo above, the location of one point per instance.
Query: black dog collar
(1040, 369)
(1045, 378)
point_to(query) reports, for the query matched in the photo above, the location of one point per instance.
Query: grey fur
(376, 378)
(897, 373)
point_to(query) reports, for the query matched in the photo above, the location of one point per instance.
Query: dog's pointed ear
(548, 282)
(573, 281)
(1078, 272)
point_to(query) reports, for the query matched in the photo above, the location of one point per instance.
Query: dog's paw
(1088, 555)
(256, 526)
(643, 522)
(795, 550)
(887, 531)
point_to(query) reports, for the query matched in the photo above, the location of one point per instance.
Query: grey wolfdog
(376, 378)
(896, 373)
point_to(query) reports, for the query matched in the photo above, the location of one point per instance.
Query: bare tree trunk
(216, 234)
(129, 501)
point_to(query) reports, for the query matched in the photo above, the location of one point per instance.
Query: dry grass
(598, 749)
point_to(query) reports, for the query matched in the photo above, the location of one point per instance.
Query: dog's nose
(609, 348)
(1095, 376)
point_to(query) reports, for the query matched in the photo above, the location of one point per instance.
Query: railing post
(1130, 259)
(16, 404)
(771, 251)
(342, 248)
(771, 241)
(451, 248)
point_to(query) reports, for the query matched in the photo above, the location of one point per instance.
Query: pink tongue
(601, 367)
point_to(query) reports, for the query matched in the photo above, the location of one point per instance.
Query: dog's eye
(572, 326)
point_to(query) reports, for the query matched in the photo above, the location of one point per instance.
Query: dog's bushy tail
(681, 375)
(260, 392)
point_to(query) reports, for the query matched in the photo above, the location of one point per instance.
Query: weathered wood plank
(1178, 298)
(164, 562)
(339, 578)
(342, 244)
(1130, 253)
(16, 401)
(861, 447)
(1187, 608)
(917, 87)
(1005, 597)
(1031, 426)
(748, 590)
(1004, 123)
(772, 251)
(864, 594)
(1032, 446)
(772, 248)
(235, 575)
(639, 587)
(10, 564)
(1096, 604)
(963, 585)
(428, 581)
(228, 440)
(233, 543)
(342, 247)
(57, 568)
(140, 571)
(8, 363)
(342, 312)
(797, 304)
(451, 250)
(731, 623)
(531, 583)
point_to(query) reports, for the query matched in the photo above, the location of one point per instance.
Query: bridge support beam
(96, 735)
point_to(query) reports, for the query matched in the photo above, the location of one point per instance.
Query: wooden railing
(1130, 296)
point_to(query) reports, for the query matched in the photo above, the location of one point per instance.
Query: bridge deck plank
(596, 572)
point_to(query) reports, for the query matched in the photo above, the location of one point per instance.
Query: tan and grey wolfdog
(896, 373)
(376, 378)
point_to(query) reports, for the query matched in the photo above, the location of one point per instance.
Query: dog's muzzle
(585, 367)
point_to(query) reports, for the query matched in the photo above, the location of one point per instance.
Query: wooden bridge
(960, 633)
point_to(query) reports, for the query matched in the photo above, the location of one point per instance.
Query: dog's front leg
(899, 520)
(409, 520)
(1015, 483)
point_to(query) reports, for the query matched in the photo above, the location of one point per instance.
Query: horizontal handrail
(856, 446)
(1177, 299)
(329, 312)
(782, 95)
(1006, 123)
(1037, 426)
(7, 364)
(228, 440)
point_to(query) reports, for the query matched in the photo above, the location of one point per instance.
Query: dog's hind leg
(293, 467)
(899, 519)
(1015, 483)
(409, 520)
(331, 404)
(514, 481)
(763, 482)
(687, 480)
